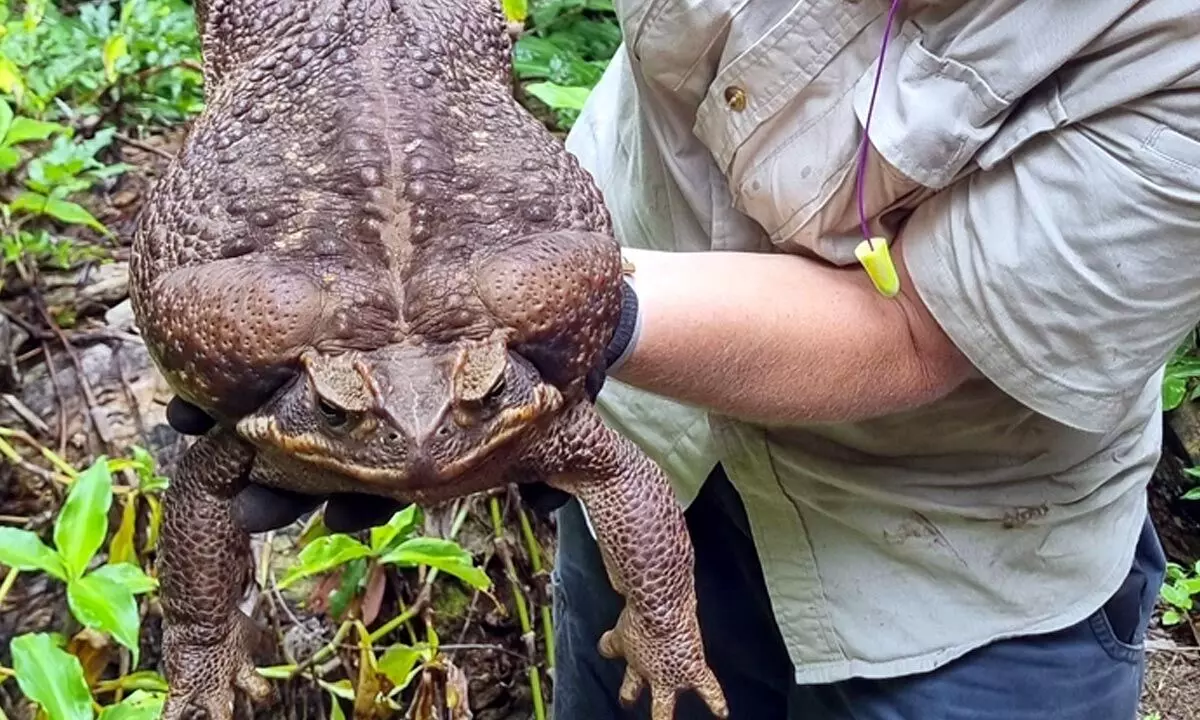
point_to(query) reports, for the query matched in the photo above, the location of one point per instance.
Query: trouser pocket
(1120, 624)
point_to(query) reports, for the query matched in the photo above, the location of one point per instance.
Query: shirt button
(735, 98)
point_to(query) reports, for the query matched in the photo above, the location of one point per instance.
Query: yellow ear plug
(876, 259)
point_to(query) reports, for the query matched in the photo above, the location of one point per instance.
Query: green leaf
(399, 663)
(128, 576)
(1171, 617)
(323, 554)
(398, 528)
(1174, 390)
(103, 604)
(1193, 494)
(1177, 596)
(83, 521)
(24, 550)
(51, 677)
(29, 130)
(335, 708)
(57, 208)
(115, 48)
(140, 705)
(559, 97)
(444, 555)
(11, 80)
(515, 10)
(6, 117)
(9, 159)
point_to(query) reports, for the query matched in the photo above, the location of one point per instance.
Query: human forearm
(783, 339)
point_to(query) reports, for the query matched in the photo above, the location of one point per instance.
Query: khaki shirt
(1042, 159)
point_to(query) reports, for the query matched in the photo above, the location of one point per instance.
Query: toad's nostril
(393, 437)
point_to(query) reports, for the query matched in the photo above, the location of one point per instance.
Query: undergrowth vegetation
(76, 81)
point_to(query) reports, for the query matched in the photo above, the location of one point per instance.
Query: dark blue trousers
(1091, 671)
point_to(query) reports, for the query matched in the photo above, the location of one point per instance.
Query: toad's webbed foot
(648, 555)
(204, 568)
(204, 676)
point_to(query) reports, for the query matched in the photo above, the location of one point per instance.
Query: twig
(145, 147)
(26, 414)
(9, 452)
(35, 332)
(89, 397)
(9, 580)
(59, 397)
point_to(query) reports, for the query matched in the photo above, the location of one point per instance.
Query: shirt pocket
(781, 122)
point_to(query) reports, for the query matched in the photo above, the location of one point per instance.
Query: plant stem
(535, 558)
(9, 579)
(527, 633)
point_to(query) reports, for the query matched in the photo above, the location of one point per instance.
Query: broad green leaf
(83, 521)
(24, 550)
(127, 575)
(444, 555)
(1176, 596)
(323, 554)
(1193, 494)
(399, 663)
(51, 677)
(25, 129)
(1174, 390)
(6, 117)
(115, 48)
(57, 208)
(140, 705)
(9, 159)
(103, 604)
(559, 97)
(1171, 617)
(1192, 472)
(399, 527)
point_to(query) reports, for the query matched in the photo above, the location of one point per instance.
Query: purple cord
(862, 150)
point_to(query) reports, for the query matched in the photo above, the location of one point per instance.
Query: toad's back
(355, 161)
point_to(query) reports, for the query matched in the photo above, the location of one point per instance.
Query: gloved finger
(594, 383)
(542, 498)
(188, 419)
(259, 509)
(345, 513)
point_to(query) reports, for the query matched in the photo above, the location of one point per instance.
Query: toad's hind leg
(643, 539)
(561, 294)
(204, 568)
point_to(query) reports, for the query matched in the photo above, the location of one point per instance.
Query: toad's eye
(336, 417)
(496, 389)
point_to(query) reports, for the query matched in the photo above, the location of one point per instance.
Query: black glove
(258, 508)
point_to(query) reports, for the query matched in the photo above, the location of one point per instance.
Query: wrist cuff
(628, 327)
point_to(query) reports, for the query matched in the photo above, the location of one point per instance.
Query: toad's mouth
(413, 470)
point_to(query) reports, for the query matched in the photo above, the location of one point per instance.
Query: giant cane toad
(381, 275)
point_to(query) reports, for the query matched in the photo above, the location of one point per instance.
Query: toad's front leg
(204, 568)
(644, 541)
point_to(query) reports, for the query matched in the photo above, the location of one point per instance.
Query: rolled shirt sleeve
(1068, 272)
